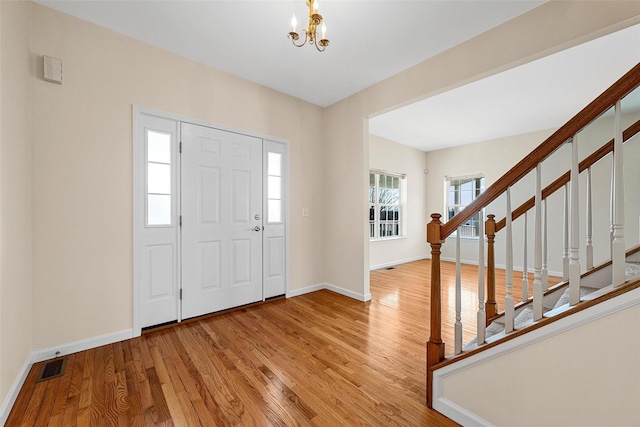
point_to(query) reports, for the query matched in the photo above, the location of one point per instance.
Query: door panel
(156, 249)
(221, 237)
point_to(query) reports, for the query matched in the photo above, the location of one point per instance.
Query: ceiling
(371, 41)
(542, 94)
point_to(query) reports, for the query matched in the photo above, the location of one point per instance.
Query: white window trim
(447, 180)
(402, 213)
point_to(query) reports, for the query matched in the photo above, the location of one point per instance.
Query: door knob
(257, 228)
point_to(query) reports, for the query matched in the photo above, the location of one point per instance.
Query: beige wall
(393, 157)
(493, 158)
(545, 30)
(16, 65)
(587, 376)
(83, 167)
(80, 204)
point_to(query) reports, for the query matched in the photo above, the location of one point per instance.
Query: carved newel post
(435, 346)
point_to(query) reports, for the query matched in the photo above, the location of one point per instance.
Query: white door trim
(138, 195)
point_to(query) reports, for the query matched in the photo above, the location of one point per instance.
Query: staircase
(567, 224)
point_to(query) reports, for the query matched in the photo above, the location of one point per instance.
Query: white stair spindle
(508, 299)
(481, 320)
(574, 263)
(525, 270)
(589, 220)
(458, 324)
(545, 252)
(618, 245)
(537, 252)
(565, 235)
(611, 201)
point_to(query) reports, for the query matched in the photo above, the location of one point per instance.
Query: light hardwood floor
(319, 359)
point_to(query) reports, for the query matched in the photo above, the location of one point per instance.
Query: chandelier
(310, 33)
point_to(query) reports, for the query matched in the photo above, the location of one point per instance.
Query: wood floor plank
(320, 359)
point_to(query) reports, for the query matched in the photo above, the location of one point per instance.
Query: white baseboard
(13, 391)
(81, 345)
(328, 286)
(307, 290)
(348, 293)
(398, 262)
(50, 353)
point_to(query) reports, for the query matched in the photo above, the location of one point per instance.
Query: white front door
(221, 233)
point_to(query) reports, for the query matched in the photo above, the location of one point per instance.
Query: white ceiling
(543, 94)
(370, 40)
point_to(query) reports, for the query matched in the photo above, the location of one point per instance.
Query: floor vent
(52, 369)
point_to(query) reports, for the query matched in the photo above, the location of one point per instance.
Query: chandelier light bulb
(310, 32)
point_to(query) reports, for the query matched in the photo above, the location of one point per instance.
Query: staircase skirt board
(613, 302)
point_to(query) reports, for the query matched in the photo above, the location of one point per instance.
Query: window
(460, 192)
(274, 187)
(158, 178)
(386, 192)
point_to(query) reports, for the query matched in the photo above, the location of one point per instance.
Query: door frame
(139, 195)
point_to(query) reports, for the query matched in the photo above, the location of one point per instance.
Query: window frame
(377, 222)
(460, 206)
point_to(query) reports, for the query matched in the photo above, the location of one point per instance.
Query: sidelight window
(158, 178)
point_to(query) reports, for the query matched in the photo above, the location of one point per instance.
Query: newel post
(491, 308)
(435, 346)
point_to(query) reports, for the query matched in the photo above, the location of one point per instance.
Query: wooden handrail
(598, 106)
(438, 232)
(607, 148)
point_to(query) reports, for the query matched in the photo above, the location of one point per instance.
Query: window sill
(387, 239)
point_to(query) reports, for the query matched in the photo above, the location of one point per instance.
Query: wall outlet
(305, 211)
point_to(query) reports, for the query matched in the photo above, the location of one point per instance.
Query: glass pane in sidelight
(158, 209)
(158, 178)
(158, 147)
(274, 187)
(274, 211)
(274, 164)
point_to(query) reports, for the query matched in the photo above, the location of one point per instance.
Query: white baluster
(458, 324)
(482, 317)
(611, 200)
(537, 251)
(565, 236)
(589, 237)
(508, 299)
(525, 270)
(618, 245)
(545, 252)
(574, 263)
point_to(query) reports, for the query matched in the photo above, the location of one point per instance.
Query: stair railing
(561, 182)
(437, 232)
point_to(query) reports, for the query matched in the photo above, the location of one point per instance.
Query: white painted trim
(460, 415)
(500, 266)
(348, 293)
(398, 262)
(297, 292)
(50, 353)
(14, 391)
(138, 177)
(330, 287)
(81, 345)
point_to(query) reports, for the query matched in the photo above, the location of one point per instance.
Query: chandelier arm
(296, 37)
